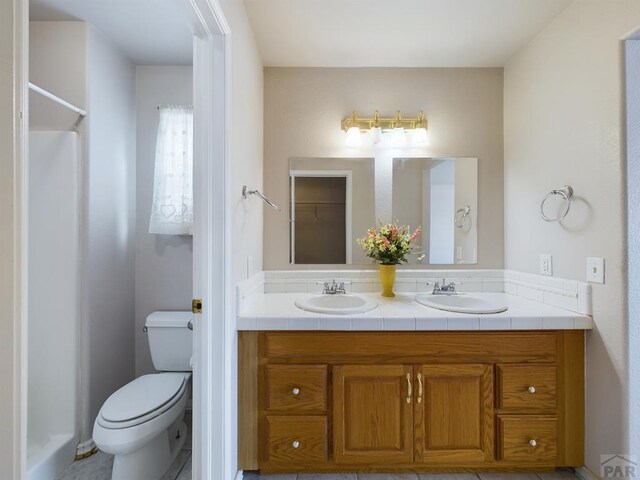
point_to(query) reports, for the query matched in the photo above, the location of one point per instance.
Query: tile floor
(98, 466)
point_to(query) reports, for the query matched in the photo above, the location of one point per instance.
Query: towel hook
(458, 218)
(566, 193)
(246, 192)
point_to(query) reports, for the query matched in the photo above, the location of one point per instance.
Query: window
(172, 208)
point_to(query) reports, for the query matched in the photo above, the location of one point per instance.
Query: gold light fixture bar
(385, 123)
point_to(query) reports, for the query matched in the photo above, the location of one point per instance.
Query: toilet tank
(170, 340)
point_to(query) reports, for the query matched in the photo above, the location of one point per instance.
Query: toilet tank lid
(168, 319)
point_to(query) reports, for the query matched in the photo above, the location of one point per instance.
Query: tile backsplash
(567, 294)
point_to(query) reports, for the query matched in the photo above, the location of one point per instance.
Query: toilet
(142, 424)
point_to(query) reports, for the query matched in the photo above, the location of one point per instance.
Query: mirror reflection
(332, 202)
(441, 195)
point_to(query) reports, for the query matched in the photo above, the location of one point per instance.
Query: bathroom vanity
(406, 388)
(409, 401)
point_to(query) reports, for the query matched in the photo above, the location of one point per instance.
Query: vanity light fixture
(353, 133)
(398, 126)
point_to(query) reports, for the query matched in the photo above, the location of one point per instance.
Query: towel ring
(566, 193)
(459, 219)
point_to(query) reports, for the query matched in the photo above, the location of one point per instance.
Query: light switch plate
(595, 270)
(546, 264)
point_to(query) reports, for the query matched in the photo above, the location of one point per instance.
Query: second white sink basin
(461, 303)
(339, 304)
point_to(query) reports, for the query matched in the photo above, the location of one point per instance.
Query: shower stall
(54, 302)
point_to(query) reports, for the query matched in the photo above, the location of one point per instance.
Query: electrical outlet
(595, 270)
(546, 264)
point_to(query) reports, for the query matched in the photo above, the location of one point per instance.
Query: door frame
(212, 390)
(212, 393)
(348, 207)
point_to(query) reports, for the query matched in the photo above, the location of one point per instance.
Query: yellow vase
(387, 279)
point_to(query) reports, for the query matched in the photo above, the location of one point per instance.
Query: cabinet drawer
(296, 439)
(296, 388)
(528, 438)
(527, 387)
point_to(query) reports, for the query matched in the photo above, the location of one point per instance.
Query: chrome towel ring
(566, 193)
(460, 215)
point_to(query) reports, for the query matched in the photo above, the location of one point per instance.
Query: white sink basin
(338, 304)
(461, 303)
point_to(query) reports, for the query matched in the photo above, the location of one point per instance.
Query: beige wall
(303, 108)
(563, 125)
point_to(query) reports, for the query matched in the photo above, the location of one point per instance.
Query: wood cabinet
(410, 401)
(454, 414)
(372, 413)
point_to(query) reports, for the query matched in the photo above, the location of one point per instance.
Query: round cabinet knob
(295, 390)
(533, 443)
(532, 389)
(295, 444)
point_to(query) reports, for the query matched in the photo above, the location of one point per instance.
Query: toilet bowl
(141, 424)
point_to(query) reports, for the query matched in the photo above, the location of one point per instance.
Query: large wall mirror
(333, 203)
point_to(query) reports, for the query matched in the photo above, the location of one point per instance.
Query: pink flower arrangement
(391, 244)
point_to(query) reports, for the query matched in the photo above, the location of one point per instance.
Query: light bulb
(376, 135)
(398, 137)
(353, 137)
(421, 137)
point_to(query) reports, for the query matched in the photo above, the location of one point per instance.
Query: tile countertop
(277, 311)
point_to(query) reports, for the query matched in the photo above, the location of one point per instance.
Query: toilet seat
(143, 399)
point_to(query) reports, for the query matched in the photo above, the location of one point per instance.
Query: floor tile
(387, 476)
(188, 419)
(508, 476)
(447, 476)
(277, 477)
(177, 465)
(559, 474)
(95, 467)
(327, 476)
(100, 466)
(186, 472)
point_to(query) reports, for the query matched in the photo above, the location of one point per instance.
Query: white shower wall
(53, 309)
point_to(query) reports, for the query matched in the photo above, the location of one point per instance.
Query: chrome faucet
(333, 288)
(445, 288)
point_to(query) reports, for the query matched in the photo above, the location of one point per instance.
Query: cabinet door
(373, 413)
(454, 414)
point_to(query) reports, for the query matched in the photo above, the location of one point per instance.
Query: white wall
(246, 169)
(632, 56)
(10, 395)
(563, 125)
(164, 263)
(108, 297)
(58, 63)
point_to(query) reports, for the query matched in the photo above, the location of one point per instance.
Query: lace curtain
(172, 208)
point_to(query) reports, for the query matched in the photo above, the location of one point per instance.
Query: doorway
(210, 97)
(321, 216)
